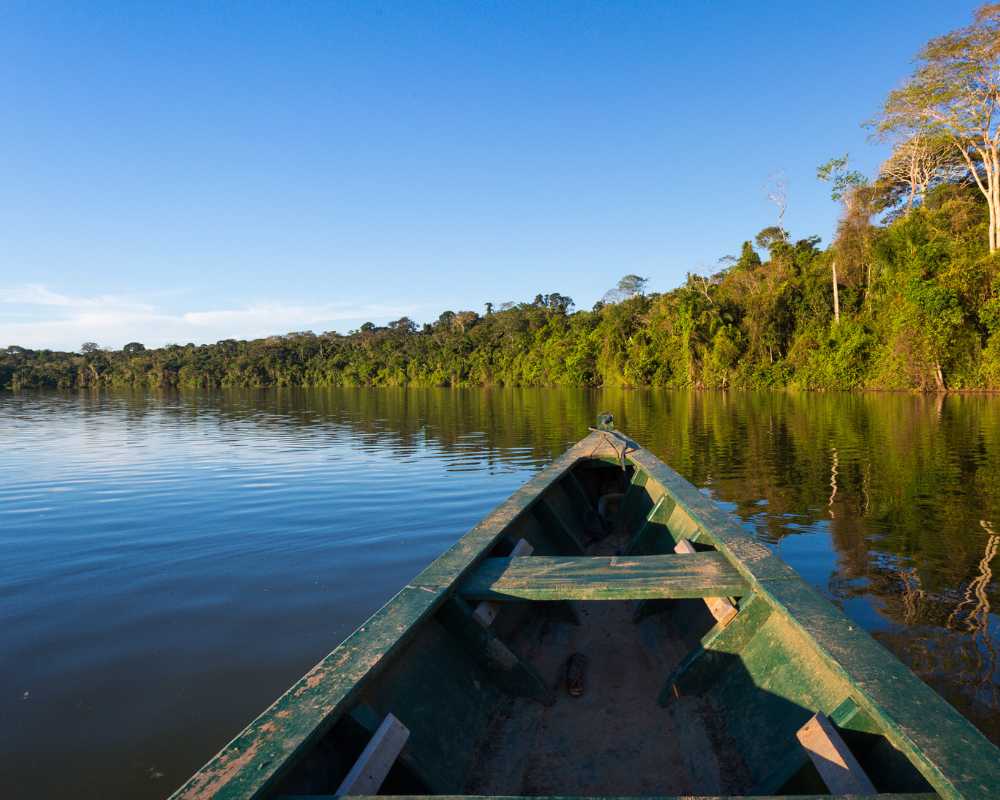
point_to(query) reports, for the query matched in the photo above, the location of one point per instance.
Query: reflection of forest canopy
(902, 484)
(918, 473)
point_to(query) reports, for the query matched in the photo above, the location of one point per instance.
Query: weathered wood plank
(375, 761)
(850, 716)
(603, 578)
(367, 720)
(719, 607)
(681, 525)
(847, 714)
(717, 651)
(487, 611)
(509, 672)
(833, 760)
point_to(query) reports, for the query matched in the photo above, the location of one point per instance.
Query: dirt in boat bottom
(615, 739)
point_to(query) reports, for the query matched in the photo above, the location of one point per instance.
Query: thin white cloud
(36, 294)
(36, 317)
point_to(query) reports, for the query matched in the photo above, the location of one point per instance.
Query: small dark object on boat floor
(576, 672)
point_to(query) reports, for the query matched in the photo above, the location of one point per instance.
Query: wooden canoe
(708, 668)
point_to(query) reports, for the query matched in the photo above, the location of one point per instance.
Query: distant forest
(907, 296)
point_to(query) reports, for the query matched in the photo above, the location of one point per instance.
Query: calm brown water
(170, 563)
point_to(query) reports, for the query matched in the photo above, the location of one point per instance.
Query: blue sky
(176, 172)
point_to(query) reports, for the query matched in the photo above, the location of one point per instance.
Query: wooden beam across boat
(604, 578)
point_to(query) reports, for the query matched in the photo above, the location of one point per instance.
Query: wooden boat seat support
(720, 607)
(365, 722)
(603, 578)
(717, 651)
(848, 715)
(487, 610)
(833, 760)
(507, 670)
(375, 761)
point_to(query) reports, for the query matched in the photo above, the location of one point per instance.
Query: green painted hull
(676, 704)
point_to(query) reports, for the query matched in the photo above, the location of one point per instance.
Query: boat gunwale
(946, 748)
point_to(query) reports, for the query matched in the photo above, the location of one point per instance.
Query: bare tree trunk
(836, 295)
(939, 376)
(992, 224)
(989, 165)
(991, 202)
(989, 189)
(868, 284)
(913, 185)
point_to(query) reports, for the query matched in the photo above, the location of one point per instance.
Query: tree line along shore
(906, 296)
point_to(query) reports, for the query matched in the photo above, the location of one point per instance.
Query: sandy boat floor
(615, 739)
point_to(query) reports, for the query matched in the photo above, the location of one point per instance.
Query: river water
(170, 563)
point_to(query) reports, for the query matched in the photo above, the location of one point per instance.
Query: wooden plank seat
(603, 578)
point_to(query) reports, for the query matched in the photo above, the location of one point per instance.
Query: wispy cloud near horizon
(35, 316)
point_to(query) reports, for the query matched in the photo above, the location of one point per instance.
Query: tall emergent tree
(955, 92)
(918, 162)
(629, 286)
(845, 185)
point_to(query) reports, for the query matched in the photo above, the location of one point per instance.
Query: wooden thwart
(604, 578)
(835, 763)
(375, 761)
(487, 611)
(721, 608)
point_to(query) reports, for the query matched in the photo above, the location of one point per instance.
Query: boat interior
(602, 646)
